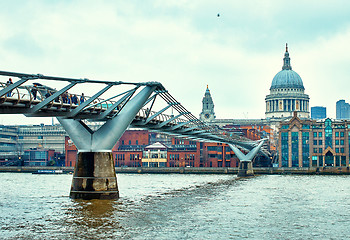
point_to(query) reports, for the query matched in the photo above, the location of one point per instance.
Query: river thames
(178, 206)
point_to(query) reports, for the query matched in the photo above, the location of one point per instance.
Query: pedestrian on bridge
(34, 91)
(8, 83)
(48, 94)
(75, 99)
(82, 98)
(65, 97)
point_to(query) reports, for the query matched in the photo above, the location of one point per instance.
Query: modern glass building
(314, 143)
(343, 110)
(318, 112)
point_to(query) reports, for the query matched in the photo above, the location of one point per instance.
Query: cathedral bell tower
(207, 114)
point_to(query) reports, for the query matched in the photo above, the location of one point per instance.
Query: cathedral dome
(287, 79)
(287, 94)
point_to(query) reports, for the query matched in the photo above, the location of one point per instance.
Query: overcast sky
(185, 46)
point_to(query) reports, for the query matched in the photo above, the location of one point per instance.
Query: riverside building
(314, 143)
(138, 148)
(10, 149)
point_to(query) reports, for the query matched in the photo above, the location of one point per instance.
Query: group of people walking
(72, 98)
(66, 97)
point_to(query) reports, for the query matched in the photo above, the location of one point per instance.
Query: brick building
(138, 148)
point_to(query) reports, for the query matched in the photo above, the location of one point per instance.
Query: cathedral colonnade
(287, 105)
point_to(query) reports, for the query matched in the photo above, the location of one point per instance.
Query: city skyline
(185, 46)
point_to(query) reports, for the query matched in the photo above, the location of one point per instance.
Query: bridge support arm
(245, 168)
(106, 137)
(94, 175)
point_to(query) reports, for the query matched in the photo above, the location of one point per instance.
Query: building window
(295, 149)
(320, 161)
(285, 126)
(305, 148)
(129, 142)
(343, 160)
(341, 142)
(314, 161)
(320, 134)
(212, 148)
(336, 134)
(137, 142)
(315, 150)
(284, 149)
(341, 134)
(342, 150)
(315, 134)
(337, 161)
(315, 142)
(319, 142)
(328, 133)
(320, 150)
(337, 150)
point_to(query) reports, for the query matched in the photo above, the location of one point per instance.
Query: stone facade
(207, 114)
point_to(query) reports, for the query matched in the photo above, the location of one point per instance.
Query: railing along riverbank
(195, 170)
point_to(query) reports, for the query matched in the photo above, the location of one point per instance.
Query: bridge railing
(183, 124)
(24, 95)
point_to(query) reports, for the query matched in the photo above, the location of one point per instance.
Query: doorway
(329, 159)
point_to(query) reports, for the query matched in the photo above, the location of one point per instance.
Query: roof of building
(156, 145)
(287, 78)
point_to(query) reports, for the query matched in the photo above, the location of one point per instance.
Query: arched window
(328, 132)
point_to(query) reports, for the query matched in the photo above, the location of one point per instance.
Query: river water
(177, 206)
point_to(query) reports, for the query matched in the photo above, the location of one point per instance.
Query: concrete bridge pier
(245, 169)
(94, 177)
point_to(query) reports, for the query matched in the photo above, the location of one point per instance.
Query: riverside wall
(195, 170)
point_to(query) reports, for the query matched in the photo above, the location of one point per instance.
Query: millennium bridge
(117, 105)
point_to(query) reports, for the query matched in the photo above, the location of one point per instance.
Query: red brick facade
(129, 151)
